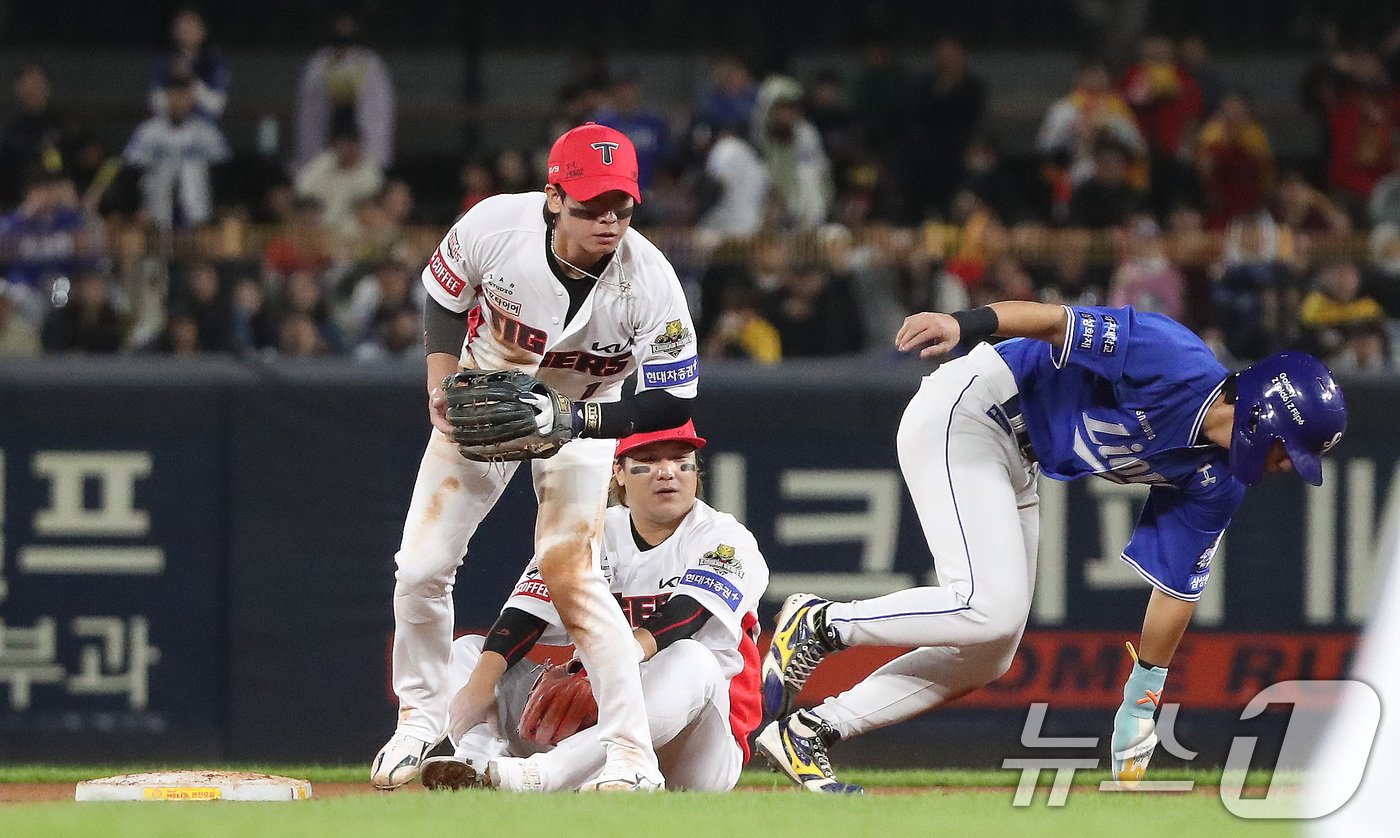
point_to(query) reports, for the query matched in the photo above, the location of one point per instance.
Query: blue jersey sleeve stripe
(1201, 414)
(1157, 583)
(1069, 336)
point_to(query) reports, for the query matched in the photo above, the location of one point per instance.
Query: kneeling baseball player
(689, 579)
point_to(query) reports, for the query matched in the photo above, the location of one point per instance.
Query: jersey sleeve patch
(673, 339)
(672, 374)
(723, 561)
(706, 580)
(445, 276)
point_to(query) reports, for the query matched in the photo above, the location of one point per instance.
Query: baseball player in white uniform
(689, 579)
(554, 284)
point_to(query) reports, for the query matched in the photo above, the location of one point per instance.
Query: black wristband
(976, 324)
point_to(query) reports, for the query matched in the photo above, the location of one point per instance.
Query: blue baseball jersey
(1124, 399)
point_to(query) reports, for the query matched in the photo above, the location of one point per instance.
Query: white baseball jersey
(711, 558)
(494, 265)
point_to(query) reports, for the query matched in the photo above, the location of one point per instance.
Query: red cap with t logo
(685, 433)
(592, 159)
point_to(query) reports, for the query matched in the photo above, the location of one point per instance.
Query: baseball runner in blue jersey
(1128, 396)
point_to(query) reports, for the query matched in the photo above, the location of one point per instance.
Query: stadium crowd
(807, 216)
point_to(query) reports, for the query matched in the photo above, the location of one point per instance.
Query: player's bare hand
(935, 332)
(437, 411)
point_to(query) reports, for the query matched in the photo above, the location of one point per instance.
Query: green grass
(949, 808)
(492, 814)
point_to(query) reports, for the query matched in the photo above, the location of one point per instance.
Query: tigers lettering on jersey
(585, 362)
(527, 338)
(638, 608)
(445, 276)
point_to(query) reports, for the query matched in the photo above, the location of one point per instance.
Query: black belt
(1008, 416)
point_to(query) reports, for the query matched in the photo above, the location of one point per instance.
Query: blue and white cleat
(796, 747)
(799, 644)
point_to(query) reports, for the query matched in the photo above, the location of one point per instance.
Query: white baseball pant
(687, 701)
(976, 498)
(450, 498)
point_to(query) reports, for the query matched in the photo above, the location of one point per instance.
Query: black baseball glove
(501, 415)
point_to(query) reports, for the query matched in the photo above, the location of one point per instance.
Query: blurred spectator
(376, 297)
(301, 244)
(1072, 281)
(760, 263)
(986, 178)
(175, 151)
(645, 127)
(1384, 279)
(200, 300)
(191, 59)
(1320, 87)
(397, 335)
(302, 297)
(728, 99)
(1384, 206)
(340, 177)
(880, 97)
(947, 109)
(513, 172)
(741, 332)
(1075, 125)
(34, 136)
(1006, 279)
(1235, 162)
(298, 337)
(1107, 198)
(1194, 58)
(734, 189)
(867, 271)
(1361, 122)
(180, 337)
(1252, 286)
(830, 113)
(45, 238)
(1167, 104)
(85, 319)
(254, 327)
(477, 184)
(1337, 319)
(17, 337)
(815, 316)
(1301, 207)
(798, 169)
(378, 231)
(1146, 279)
(345, 81)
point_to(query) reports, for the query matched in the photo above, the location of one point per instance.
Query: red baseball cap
(592, 159)
(685, 433)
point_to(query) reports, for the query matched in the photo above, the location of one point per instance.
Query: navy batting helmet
(1289, 397)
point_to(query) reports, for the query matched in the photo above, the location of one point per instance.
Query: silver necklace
(622, 275)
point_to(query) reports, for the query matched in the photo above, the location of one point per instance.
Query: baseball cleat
(796, 747)
(1130, 764)
(397, 762)
(449, 774)
(625, 777)
(514, 774)
(799, 644)
(1134, 725)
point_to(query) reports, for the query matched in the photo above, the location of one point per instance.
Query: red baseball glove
(561, 704)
